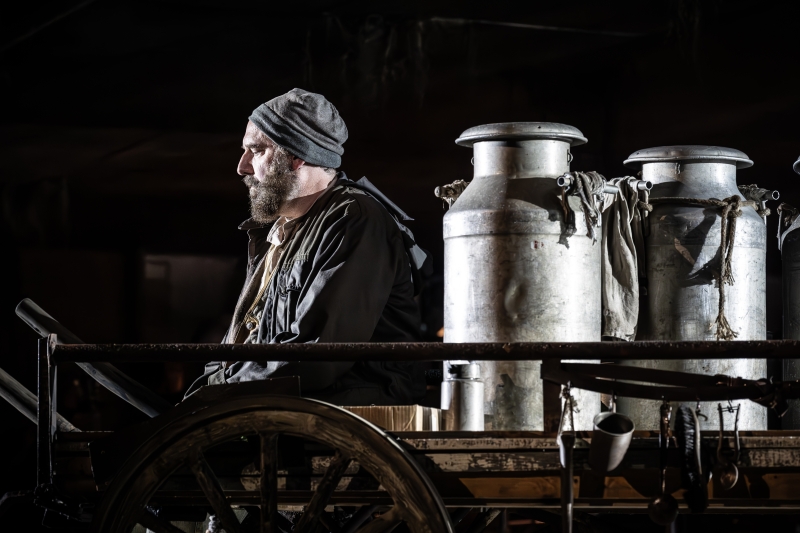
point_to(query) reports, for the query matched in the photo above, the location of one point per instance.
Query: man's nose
(245, 167)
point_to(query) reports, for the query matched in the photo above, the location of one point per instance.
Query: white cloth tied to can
(623, 245)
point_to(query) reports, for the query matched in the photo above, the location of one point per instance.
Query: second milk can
(789, 245)
(684, 263)
(514, 272)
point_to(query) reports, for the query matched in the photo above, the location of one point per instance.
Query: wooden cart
(295, 464)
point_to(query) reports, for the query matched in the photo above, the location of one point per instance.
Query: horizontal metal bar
(428, 351)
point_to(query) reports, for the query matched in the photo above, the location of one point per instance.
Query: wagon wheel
(182, 436)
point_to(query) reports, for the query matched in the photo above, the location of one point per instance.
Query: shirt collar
(282, 230)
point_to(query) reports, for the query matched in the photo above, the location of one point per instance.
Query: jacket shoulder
(358, 203)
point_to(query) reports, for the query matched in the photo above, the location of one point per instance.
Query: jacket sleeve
(211, 368)
(352, 275)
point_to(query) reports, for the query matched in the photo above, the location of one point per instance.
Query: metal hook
(677, 168)
(736, 445)
(698, 414)
(720, 458)
(697, 411)
(728, 473)
(569, 156)
(472, 161)
(666, 414)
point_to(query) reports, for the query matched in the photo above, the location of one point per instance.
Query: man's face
(267, 171)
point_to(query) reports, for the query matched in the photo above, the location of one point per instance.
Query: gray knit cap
(306, 124)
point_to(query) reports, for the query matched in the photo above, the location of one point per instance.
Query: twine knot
(731, 210)
(588, 186)
(569, 409)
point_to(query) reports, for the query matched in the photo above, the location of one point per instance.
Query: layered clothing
(343, 272)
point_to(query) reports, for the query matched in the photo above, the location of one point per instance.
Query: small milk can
(513, 270)
(685, 263)
(462, 398)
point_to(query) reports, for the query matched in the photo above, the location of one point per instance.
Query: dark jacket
(345, 276)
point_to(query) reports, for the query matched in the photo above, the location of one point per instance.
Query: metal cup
(610, 440)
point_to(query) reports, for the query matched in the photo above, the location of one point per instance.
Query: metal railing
(428, 351)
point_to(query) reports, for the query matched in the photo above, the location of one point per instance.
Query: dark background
(121, 124)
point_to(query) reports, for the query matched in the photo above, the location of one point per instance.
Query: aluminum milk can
(789, 244)
(511, 272)
(683, 262)
(462, 398)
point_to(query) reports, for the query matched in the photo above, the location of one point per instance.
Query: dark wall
(121, 125)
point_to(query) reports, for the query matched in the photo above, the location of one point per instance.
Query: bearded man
(329, 260)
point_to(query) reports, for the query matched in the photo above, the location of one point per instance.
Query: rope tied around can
(731, 210)
(760, 196)
(787, 222)
(450, 192)
(588, 186)
(643, 204)
(786, 215)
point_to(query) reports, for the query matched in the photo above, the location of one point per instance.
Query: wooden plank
(399, 417)
(532, 440)
(617, 487)
(537, 488)
(497, 462)
(770, 458)
(778, 486)
(446, 442)
(620, 493)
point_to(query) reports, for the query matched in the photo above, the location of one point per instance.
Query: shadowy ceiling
(133, 111)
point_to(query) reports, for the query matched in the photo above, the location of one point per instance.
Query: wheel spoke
(459, 515)
(269, 483)
(322, 495)
(483, 520)
(206, 422)
(326, 520)
(359, 518)
(159, 525)
(384, 523)
(216, 497)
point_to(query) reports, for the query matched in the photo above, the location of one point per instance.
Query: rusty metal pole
(45, 411)
(104, 373)
(429, 351)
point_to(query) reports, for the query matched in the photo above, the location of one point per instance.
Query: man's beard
(280, 184)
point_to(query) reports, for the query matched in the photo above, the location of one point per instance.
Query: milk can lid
(661, 154)
(518, 131)
(796, 165)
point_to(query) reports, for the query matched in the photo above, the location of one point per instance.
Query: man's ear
(297, 163)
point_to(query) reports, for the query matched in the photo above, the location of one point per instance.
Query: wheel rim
(181, 439)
